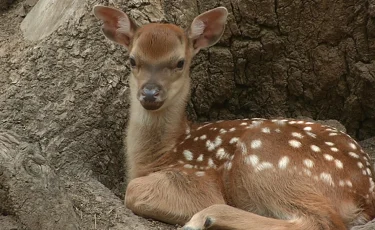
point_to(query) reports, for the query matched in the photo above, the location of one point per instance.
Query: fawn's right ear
(118, 27)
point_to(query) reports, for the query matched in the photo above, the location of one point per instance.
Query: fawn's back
(272, 161)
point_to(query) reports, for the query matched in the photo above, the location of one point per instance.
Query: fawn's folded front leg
(227, 217)
(171, 196)
(222, 216)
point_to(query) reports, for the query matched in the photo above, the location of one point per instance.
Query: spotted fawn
(238, 174)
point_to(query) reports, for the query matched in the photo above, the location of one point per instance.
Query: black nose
(150, 92)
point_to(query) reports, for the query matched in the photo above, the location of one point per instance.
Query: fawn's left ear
(117, 27)
(207, 28)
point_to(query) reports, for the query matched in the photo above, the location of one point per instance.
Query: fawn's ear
(207, 28)
(118, 27)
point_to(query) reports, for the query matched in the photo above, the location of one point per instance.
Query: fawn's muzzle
(150, 96)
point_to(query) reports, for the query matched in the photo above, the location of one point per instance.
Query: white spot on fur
(360, 165)
(315, 148)
(354, 155)
(200, 173)
(188, 166)
(243, 123)
(256, 144)
(307, 172)
(222, 131)
(222, 154)
(280, 122)
(307, 128)
(308, 163)
(353, 146)
(187, 137)
(364, 172)
(339, 164)
(333, 134)
(341, 183)
(283, 162)
(200, 158)
(295, 143)
(218, 141)
(333, 149)
(329, 143)
(297, 135)
(210, 145)
(256, 123)
(369, 171)
(233, 140)
(309, 123)
(196, 138)
(372, 185)
(232, 129)
(277, 130)
(228, 165)
(328, 157)
(300, 122)
(188, 155)
(313, 135)
(252, 160)
(243, 147)
(292, 122)
(327, 178)
(266, 130)
(213, 145)
(349, 183)
(203, 137)
(263, 166)
(211, 163)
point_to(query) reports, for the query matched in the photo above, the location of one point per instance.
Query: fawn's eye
(132, 62)
(180, 64)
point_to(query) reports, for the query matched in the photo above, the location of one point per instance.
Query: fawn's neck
(151, 134)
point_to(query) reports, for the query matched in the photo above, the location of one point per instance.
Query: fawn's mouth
(148, 105)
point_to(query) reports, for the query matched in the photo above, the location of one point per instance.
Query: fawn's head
(160, 54)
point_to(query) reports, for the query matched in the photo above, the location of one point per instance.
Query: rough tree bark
(63, 93)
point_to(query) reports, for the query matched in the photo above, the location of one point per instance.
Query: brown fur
(275, 175)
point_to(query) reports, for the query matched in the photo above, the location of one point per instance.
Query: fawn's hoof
(198, 223)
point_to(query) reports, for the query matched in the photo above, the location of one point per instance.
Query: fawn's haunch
(241, 174)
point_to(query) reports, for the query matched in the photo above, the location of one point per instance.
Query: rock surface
(63, 93)
(48, 15)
